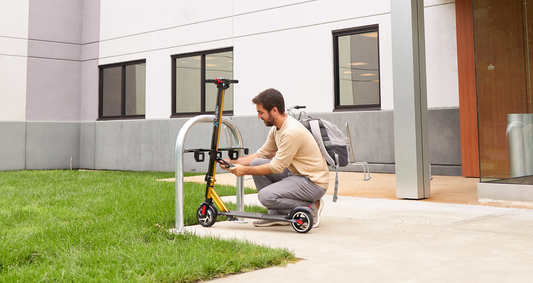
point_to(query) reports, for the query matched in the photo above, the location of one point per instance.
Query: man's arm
(241, 170)
(242, 166)
(245, 160)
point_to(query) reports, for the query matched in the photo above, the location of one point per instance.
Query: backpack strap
(315, 130)
(336, 179)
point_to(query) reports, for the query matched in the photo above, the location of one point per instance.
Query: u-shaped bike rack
(179, 164)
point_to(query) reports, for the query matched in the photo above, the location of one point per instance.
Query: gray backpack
(332, 143)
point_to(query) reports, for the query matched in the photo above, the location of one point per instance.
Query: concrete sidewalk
(381, 240)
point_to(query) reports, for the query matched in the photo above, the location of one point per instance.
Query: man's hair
(270, 98)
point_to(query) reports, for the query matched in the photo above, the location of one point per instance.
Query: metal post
(180, 140)
(410, 99)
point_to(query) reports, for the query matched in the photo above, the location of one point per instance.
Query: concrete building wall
(441, 54)
(13, 59)
(12, 145)
(150, 144)
(39, 145)
(54, 60)
(52, 145)
(62, 72)
(285, 44)
(89, 64)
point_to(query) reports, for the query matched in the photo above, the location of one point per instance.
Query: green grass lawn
(107, 226)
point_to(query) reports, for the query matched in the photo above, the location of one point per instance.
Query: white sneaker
(316, 213)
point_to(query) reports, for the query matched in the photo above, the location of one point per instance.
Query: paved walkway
(379, 240)
(365, 239)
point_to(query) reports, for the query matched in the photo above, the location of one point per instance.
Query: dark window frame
(123, 115)
(202, 54)
(344, 32)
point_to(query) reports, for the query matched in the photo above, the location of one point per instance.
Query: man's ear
(274, 110)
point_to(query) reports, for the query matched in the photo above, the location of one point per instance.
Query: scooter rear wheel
(304, 221)
(206, 215)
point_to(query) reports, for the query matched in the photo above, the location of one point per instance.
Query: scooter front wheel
(304, 221)
(206, 215)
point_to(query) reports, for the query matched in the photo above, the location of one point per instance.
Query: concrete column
(410, 99)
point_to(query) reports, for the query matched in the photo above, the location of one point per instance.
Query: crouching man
(289, 169)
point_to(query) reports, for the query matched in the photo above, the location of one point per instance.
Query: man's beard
(269, 122)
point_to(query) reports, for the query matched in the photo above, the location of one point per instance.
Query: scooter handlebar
(217, 81)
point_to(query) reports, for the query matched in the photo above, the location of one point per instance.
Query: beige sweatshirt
(294, 147)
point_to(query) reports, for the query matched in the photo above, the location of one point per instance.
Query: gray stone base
(491, 192)
(149, 145)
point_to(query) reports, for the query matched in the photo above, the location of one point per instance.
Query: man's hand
(238, 170)
(241, 170)
(224, 166)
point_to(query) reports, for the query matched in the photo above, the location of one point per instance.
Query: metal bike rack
(179, 164)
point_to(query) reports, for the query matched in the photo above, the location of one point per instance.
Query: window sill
(190, 115)
(121, 118)
(351, 109)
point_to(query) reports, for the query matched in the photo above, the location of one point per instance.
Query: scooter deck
(255, 215)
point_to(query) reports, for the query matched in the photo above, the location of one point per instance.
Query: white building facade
(55, 55)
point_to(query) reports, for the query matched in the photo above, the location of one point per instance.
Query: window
(122, 90)
(356, 54)
(190, 94)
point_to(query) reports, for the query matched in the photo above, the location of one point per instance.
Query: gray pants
(280, 193)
